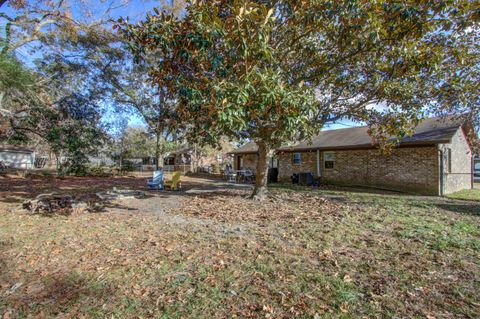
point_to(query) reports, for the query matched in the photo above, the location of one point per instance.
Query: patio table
(241, 174)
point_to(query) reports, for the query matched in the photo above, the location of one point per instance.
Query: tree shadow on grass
(16, 190)
(46, 294)
(13, 199)
(117, 205)
(54, 294)
(467, 208)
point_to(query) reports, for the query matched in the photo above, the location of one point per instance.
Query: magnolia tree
(275, 71)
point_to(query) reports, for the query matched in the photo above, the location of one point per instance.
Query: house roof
(15, 149)
(429, 131)
(250, 147)
(181, 150)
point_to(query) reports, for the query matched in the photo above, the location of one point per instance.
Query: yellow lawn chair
(175, 182)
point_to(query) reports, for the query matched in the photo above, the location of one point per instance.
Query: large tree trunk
(159, 157)
(194, 160)
(157, 151)
(2, 111)
(57, 162)
(261, 175)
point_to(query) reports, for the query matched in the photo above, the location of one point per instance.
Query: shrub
(128, 166)
(215, 168)
(76, 166)
(100, 171)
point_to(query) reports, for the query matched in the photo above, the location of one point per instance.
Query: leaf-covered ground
(303, 254)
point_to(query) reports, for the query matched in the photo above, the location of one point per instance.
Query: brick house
(435, 160)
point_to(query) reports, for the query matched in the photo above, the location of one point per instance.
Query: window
(329, 159)
(297, 158)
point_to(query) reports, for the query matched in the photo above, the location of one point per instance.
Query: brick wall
(286, 167)
(249, 161)
(458, 175)
(411, 169)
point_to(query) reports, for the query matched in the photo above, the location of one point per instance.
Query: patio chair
(231, 175)
(157, 181)
(174, 183)
(248, 176)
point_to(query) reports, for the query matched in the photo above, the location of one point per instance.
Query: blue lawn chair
(157, 181)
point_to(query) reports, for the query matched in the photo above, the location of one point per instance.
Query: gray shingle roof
(15, 149)
(429, 131)
(250, 147)
(183, 149)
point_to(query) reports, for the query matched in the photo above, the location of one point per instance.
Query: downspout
(318, 163)
(441, 171)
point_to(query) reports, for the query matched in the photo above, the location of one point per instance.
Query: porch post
(318, 163)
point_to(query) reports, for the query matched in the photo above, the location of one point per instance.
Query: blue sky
(93, 10)
(135, 10)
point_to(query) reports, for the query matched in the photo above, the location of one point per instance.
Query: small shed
(17, 156)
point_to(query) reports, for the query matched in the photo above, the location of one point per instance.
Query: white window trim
(325, 160)
(299, 158)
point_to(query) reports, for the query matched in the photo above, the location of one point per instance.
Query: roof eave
(18, 151)
(357, 147)
(242, 152)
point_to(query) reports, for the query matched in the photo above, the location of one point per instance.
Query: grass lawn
(320, 254)
(467, 194)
